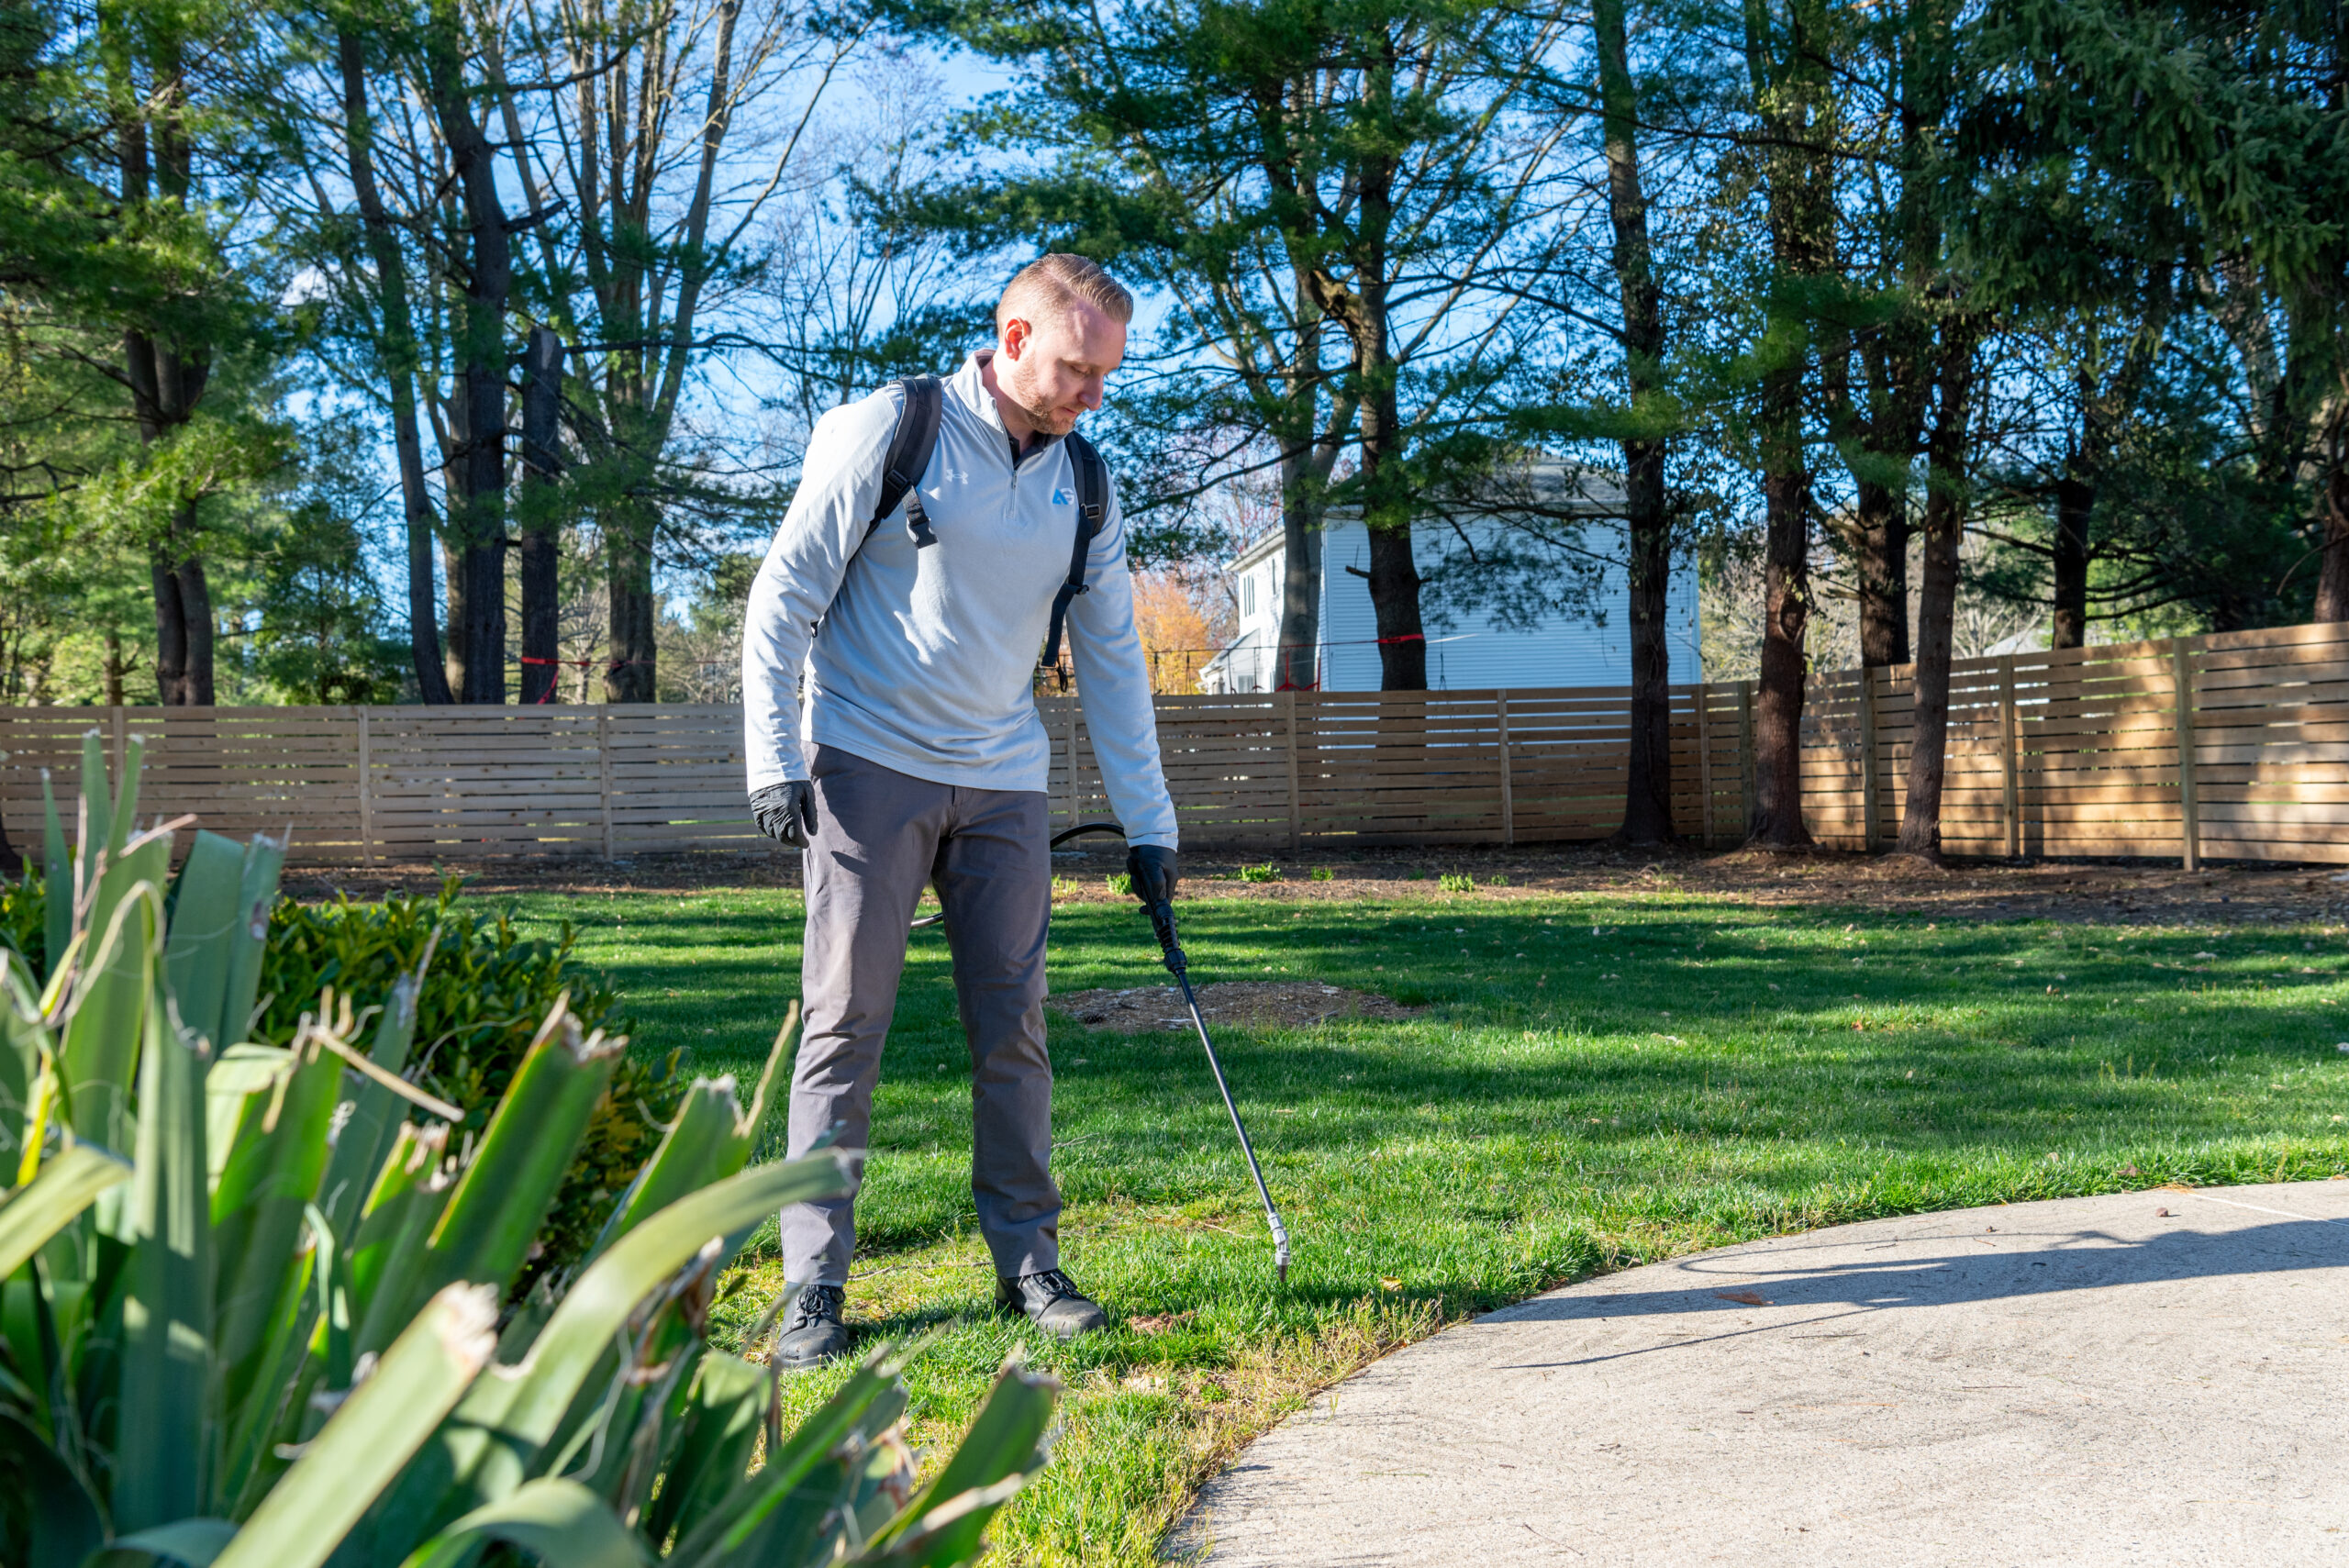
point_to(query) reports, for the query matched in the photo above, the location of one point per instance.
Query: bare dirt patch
(1243, 1004)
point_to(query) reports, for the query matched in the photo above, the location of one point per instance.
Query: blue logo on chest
(1061, 497)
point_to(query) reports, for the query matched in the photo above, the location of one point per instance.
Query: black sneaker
(815, 1334)
(1053, 1303)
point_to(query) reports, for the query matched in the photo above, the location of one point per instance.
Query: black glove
(1151, 869)
(785, 812)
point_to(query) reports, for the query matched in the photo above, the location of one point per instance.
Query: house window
(1248, 594)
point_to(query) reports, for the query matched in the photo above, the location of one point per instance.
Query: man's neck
(1025, 437)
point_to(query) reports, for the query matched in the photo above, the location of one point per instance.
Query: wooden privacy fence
(360, 784)
(2230, 745)
(2235, 745)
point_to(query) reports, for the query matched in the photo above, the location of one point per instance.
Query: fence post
(366, 792)
(1704, 765)
(1509, 797)
(1745, 754)
(1295, 817)
(2189, 814)
(1868, 773)
(2010, 755)
(604, 771)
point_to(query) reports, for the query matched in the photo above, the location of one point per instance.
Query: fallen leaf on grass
(1748, 1298)
(1390, 1283)
(1159, 1323)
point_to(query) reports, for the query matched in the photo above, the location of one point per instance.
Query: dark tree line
(2031, 300)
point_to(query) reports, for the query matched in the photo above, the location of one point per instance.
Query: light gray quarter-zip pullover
(925, 656)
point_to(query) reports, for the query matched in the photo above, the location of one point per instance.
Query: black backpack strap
(1092, 509)
(909, 449)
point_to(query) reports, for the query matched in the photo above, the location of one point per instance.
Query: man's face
(1056, 368)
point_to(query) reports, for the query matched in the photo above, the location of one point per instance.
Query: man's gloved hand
(785, 812)
(1151, 869)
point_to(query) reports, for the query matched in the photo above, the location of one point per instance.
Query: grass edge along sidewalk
(1597, 1081)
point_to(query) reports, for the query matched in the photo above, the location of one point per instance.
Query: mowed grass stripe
(1597, 1081)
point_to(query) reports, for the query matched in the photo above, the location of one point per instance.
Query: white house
(1589, 645)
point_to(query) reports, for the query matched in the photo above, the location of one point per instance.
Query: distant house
(1587, 643)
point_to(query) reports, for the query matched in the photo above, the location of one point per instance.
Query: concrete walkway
(2085, 1381)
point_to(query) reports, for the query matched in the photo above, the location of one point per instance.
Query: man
(919, 758)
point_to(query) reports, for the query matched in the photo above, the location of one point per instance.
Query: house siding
(1564, 649)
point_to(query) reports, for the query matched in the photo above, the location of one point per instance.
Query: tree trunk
(1297, 656)
(1790, 75)
(1387, 515)
(1386, 502)
(481, 526)
(1778, 699)
(1883, 538)
(1395, 596)
(2333, 577)
(2075, 500)
(452, 573)
(1945, 503)
(183, 617)
(1309, 451)
(1647, 522)
(171, 629)
(1647, 796)
(156, 163)
(112, 668)
(397, 327)
(628, 543)
(541, 419)
(1297, 666)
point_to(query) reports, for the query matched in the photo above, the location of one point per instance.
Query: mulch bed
(2123, 892)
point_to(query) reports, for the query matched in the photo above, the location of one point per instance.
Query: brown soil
(2154, 892)
(1245, 1004)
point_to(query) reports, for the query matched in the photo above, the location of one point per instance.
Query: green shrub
(486, 994)
(21, 914)
(1319, 873)
(1497, 880)
(1120, 883)
(1266, 872)
(1455, 882)
(266, 1339)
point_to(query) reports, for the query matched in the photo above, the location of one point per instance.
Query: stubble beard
(1021, 385)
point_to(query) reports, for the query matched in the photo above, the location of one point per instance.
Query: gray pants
(880, 836)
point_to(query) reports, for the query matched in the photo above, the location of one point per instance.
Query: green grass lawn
(1596, 1082)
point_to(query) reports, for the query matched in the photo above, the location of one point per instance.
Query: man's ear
(1016, 333)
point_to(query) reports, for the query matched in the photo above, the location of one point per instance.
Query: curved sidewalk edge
(2089, 1380)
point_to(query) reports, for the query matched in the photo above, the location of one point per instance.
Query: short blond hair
(1051, 283)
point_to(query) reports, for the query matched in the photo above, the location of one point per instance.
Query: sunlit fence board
(2227, 745)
